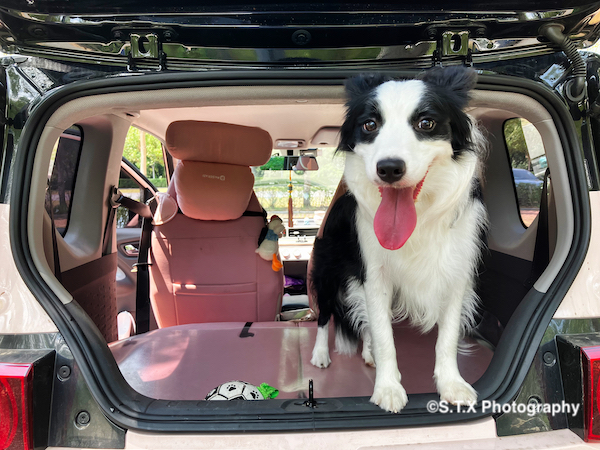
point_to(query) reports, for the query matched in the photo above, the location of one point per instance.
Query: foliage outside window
(152, 166)
(146, 153)
(528, 162)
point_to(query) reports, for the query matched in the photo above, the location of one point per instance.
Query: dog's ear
(360, 84)
(458, 79)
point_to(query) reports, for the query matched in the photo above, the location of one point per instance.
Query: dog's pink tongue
(396, 217)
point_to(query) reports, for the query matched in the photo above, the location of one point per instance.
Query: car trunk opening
(168, 371)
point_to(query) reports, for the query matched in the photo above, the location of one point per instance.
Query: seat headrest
(211, 191)
(216, 142)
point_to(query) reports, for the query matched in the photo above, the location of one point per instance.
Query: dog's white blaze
(396, 138)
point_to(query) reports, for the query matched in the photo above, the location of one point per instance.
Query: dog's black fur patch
(361, 106)
(338, 251)
(448, 93)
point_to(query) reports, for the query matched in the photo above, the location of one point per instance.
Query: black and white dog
(404, 242)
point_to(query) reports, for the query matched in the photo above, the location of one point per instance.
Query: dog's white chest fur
(440, 252)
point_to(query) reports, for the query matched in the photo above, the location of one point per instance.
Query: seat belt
(118, 199)
(142, 289)
(142, 292)
(541, 252)
(265, 229)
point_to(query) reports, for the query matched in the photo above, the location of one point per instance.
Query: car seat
(204, 267)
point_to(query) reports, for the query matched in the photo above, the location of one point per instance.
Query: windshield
(312, 192)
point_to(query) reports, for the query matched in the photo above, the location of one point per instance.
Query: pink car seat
(204, 265)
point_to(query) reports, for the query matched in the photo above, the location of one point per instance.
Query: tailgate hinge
(145, 46)
(451, 44)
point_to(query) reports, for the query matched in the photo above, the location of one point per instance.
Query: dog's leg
(450, 384)
(320, 354)
(367, 351)
(344, 345)
(388, 392)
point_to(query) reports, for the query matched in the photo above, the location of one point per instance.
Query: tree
(515, 142)
(154, 153)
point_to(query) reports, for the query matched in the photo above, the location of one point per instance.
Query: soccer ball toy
(240, 390)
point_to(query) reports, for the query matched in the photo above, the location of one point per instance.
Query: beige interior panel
(287, 112)
(504, 235)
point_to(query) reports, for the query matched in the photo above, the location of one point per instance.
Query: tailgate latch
(453, 44)
(145, 46)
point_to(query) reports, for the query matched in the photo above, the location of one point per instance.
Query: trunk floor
(187, 361)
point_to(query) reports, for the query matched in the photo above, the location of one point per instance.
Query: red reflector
(15, 406)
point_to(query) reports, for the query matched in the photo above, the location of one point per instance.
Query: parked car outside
(523, 176)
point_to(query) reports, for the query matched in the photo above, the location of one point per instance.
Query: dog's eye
(369, 126)
(426, 124)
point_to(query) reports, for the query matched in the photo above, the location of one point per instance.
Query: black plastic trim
(140, 174)
(130, 409)
(81, 142)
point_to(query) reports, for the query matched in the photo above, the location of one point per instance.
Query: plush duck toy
(269, 247)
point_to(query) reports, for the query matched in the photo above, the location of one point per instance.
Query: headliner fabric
(217, 142)
(208, 191)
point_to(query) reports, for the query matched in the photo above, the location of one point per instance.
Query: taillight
(16, 406)
(591, 392)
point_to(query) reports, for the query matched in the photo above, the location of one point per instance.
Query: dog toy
(240, 390)
(269, 247)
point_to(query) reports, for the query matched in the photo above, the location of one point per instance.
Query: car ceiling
(300, 120)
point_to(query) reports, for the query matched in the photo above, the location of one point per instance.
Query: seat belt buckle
(115, 198)
(141, 266)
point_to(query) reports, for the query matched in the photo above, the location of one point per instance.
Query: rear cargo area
(185, 362)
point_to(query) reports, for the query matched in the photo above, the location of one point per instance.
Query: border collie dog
(405, 240)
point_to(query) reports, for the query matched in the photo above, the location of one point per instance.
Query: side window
(62, 173)
(145, 152)
(528, 162)
(129, 188)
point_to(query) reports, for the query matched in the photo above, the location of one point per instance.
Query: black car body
(89, 67)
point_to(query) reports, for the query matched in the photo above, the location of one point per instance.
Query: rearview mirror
(305, 162)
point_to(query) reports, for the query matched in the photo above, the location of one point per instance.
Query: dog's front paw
(457, 392)
(368, 356)
(320, 358)
(391, 397)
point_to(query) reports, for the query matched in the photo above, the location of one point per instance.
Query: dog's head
(400, 128)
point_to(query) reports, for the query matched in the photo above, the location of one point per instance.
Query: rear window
(62, 173)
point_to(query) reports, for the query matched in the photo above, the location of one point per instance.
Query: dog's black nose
(391, 170)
